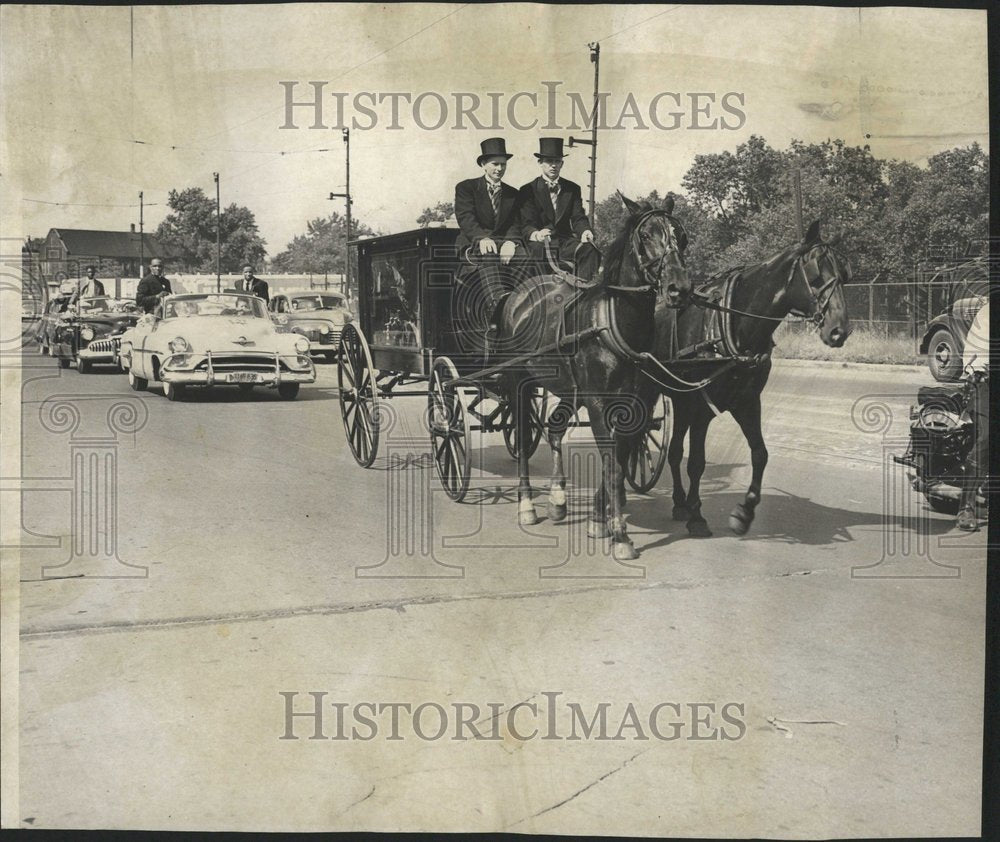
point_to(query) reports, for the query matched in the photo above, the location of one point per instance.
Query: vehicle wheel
(942, 505)
(173, 391)
(138, 384)
(448, 419)
(63, 362)
(646, 461)
(536, 415)
(943, 358)
(358, 396)
(287, 391)
(82, 365)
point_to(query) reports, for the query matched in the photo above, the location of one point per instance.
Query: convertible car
(318, 316)
(89, 331)
(215, 339)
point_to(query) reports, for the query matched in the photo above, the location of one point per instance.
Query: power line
(86, 204)
(640, 23)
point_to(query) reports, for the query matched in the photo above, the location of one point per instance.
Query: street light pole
(218, 238)
(595, 57)
(346, 195)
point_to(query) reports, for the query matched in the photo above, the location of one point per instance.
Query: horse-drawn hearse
(618, 347)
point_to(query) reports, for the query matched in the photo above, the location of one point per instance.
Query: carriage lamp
(301, 344)
(178, 345)
(87, 333)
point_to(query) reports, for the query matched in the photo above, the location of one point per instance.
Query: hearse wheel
(448, 419)
(358, 395)
(536, 417)
(645, 463)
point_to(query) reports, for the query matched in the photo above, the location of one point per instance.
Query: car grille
(241, 362)
(105, 346)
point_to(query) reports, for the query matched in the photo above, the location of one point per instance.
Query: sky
(101, 103)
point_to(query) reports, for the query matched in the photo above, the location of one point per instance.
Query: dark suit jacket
(568, 220)
(474, 212)
(98, 289)
(148, 290)
(257, 287)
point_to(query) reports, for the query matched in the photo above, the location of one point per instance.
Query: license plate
(244, 377)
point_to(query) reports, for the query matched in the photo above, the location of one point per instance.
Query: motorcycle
(942, 433)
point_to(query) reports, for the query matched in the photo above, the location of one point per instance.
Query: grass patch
(796, 342)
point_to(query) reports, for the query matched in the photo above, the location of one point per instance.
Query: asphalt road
(252, 557)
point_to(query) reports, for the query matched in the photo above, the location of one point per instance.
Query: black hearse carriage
(408, 332)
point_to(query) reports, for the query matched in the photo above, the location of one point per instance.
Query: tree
(322, 247)
(439, 213)
(189, 230)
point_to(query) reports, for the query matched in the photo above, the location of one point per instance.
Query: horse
(578, 332)
(805, 279)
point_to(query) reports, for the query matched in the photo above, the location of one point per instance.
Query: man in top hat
(552, 211)
(253, 284)
(490, 221)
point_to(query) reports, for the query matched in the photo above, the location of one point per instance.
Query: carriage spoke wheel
(448, 419)
(358, 395)
(537, 415)
(645, 462)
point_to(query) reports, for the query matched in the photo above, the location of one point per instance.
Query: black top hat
(550, 147)
(490, 147)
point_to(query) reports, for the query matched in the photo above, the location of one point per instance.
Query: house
(67, 252)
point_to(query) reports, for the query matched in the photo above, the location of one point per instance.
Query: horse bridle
(810, 270)
(651, 269)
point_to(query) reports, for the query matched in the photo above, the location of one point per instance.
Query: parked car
(319, 316)
(943, 340)
(54, 314)
(214, 339)
(89, 332)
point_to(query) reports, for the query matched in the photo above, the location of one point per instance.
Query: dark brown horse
(744, 308)
(611, 320)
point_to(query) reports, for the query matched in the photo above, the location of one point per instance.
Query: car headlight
(178, 345)
(301, 344)
(87, 333)
(348, 318)
(324, 328)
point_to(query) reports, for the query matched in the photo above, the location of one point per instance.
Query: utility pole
(142, 253)
(347, 196)
(218, 238)
(595, 57)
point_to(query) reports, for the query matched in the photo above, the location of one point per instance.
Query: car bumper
(256, 368)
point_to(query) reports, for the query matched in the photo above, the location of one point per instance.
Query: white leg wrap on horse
(526, 513)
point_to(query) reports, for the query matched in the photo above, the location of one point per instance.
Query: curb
(794, 363)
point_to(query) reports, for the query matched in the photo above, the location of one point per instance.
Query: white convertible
(214, 340)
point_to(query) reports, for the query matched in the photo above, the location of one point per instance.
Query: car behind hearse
(214, 339)
(320, 316)
(88, 331)
(943, 339)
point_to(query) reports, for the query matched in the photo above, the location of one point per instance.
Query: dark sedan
(90, 330)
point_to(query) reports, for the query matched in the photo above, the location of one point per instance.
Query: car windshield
(214, 304)
(89, 306)
(304, 303)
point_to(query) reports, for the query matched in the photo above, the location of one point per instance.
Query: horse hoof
(527, 517)
(699, 529)
(624, 551)
(738, 525)
(681, 513)
(597, 529)
(557, 512)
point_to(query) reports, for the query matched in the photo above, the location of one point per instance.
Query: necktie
(554, 193)
(495, 199)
